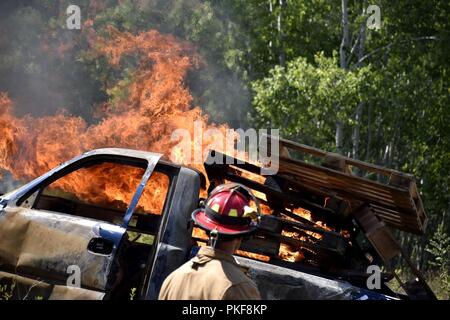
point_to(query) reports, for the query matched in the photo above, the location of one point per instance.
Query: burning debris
(315, 213)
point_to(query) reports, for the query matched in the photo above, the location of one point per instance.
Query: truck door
(60, 235)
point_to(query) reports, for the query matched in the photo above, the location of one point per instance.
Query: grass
(7, 291)
(439, 283)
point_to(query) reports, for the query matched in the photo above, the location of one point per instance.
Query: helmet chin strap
(213, 237)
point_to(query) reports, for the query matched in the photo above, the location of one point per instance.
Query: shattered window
(104, 191)
(106, 184)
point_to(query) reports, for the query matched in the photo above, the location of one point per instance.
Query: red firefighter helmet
(228, 210)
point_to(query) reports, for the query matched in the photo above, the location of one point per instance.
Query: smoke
(7, 182)
(56, 75)
(47, 68)
(217, 85)
(156, 104)
(39, 67)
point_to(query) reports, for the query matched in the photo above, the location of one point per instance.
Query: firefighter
(214, 274)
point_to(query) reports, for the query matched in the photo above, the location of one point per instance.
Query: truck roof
(139, 154)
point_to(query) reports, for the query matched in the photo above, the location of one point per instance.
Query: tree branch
(391, 45)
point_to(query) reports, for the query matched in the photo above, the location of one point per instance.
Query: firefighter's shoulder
(242, 291)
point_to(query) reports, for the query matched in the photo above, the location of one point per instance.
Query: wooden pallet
(336, 191)
(396, 202)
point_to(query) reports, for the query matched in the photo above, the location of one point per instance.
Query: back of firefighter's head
(231, 212)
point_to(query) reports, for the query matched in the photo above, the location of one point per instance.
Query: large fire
(158, 102)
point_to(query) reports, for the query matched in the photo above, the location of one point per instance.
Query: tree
(392, 107)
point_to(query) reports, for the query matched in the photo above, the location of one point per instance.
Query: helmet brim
(200, 218)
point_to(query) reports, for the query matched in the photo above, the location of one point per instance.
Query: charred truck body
(323, 226)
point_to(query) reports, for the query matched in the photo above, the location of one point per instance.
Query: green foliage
(305, 99)
(132, 293)
(124, 16)
(7, 290)
(400, 86)
(439, 248)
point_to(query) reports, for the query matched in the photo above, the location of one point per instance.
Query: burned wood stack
(328, 214)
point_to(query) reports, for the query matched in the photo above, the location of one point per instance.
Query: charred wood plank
(285, 197)
(338, 250)
(309, 227)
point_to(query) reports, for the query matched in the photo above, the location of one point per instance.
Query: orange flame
(158, 102)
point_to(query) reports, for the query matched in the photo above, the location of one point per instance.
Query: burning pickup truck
(75, 234)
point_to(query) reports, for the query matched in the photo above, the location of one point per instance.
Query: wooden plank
(349, 161)
(399, 198)
(414, 227)
(308, 227)
(288, 213)
(393, 220)
(396, 220)
(304, 225)
(402, 227)
(402, 201)
(279, 195)
(321, 173)
(400, 180)
(420, 207)
(293, 145)
(301, 232)
(377, 233)
(361, 195)
(297, 217)
(293, 165)
(374, 191)
(307, 187)
(384, 244)
(397, 214)
(343, 183)
(303, 244)
(269, 247)
(336, 162)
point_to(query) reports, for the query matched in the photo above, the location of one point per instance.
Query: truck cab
(62, 236)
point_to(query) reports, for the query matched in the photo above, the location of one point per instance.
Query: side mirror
(100, 246)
